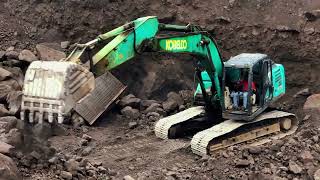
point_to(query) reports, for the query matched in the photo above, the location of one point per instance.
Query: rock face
(27, 55)
(8, 169)
(46, 53)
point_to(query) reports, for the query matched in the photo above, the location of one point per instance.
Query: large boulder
(8, 169)
(17, 75)
(27, 55)
(4, 74)
(47, 53)
(312, 106)
(11, 54)
(172, 96)
(3, 111)
(312, 103)
(14, 100)
(5, 148)
(7, 123)
(14, 137)
(6, 87)
(170, 105)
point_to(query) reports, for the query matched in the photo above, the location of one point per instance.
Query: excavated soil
(279, 28)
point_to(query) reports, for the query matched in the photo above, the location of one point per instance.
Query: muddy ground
(287, 31)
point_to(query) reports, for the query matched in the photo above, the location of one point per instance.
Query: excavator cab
(249, 82)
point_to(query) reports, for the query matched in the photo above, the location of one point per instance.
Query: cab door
(267, 88)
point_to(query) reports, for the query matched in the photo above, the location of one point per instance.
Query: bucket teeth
(51, 90)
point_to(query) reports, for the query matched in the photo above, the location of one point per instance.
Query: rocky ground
(121, 144)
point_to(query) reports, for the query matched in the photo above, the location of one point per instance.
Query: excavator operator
(241, 89)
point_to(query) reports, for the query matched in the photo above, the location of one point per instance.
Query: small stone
(152, 108)
(231, 3)
(133, 125)
(102, 169)
(66, 175)
(254, 150)
(86, 151)
(65, 44)
(53, 160)
(72, 166)
(153, 114)
(35, 155)
(309, 31)
(129, 112)
(223, 19)
(316, 175)
(146, 103)
(242, 163)
(130, 100)
(306, 157)
(225, 154)
(307, 117)
(182, 107)
(27, 55)
(84, 142)
(77, 120)
(294, 167)
(127, 177)
(86, 137)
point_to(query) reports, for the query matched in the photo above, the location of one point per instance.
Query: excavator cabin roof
(245, 60)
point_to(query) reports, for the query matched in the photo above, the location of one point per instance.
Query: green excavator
(53, 89)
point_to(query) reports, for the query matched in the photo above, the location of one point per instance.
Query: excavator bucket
(108, 89)
(51, 89)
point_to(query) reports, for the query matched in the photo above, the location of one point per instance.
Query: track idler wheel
(285, 124)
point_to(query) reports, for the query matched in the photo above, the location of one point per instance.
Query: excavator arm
(71, 82)
(147, 34)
